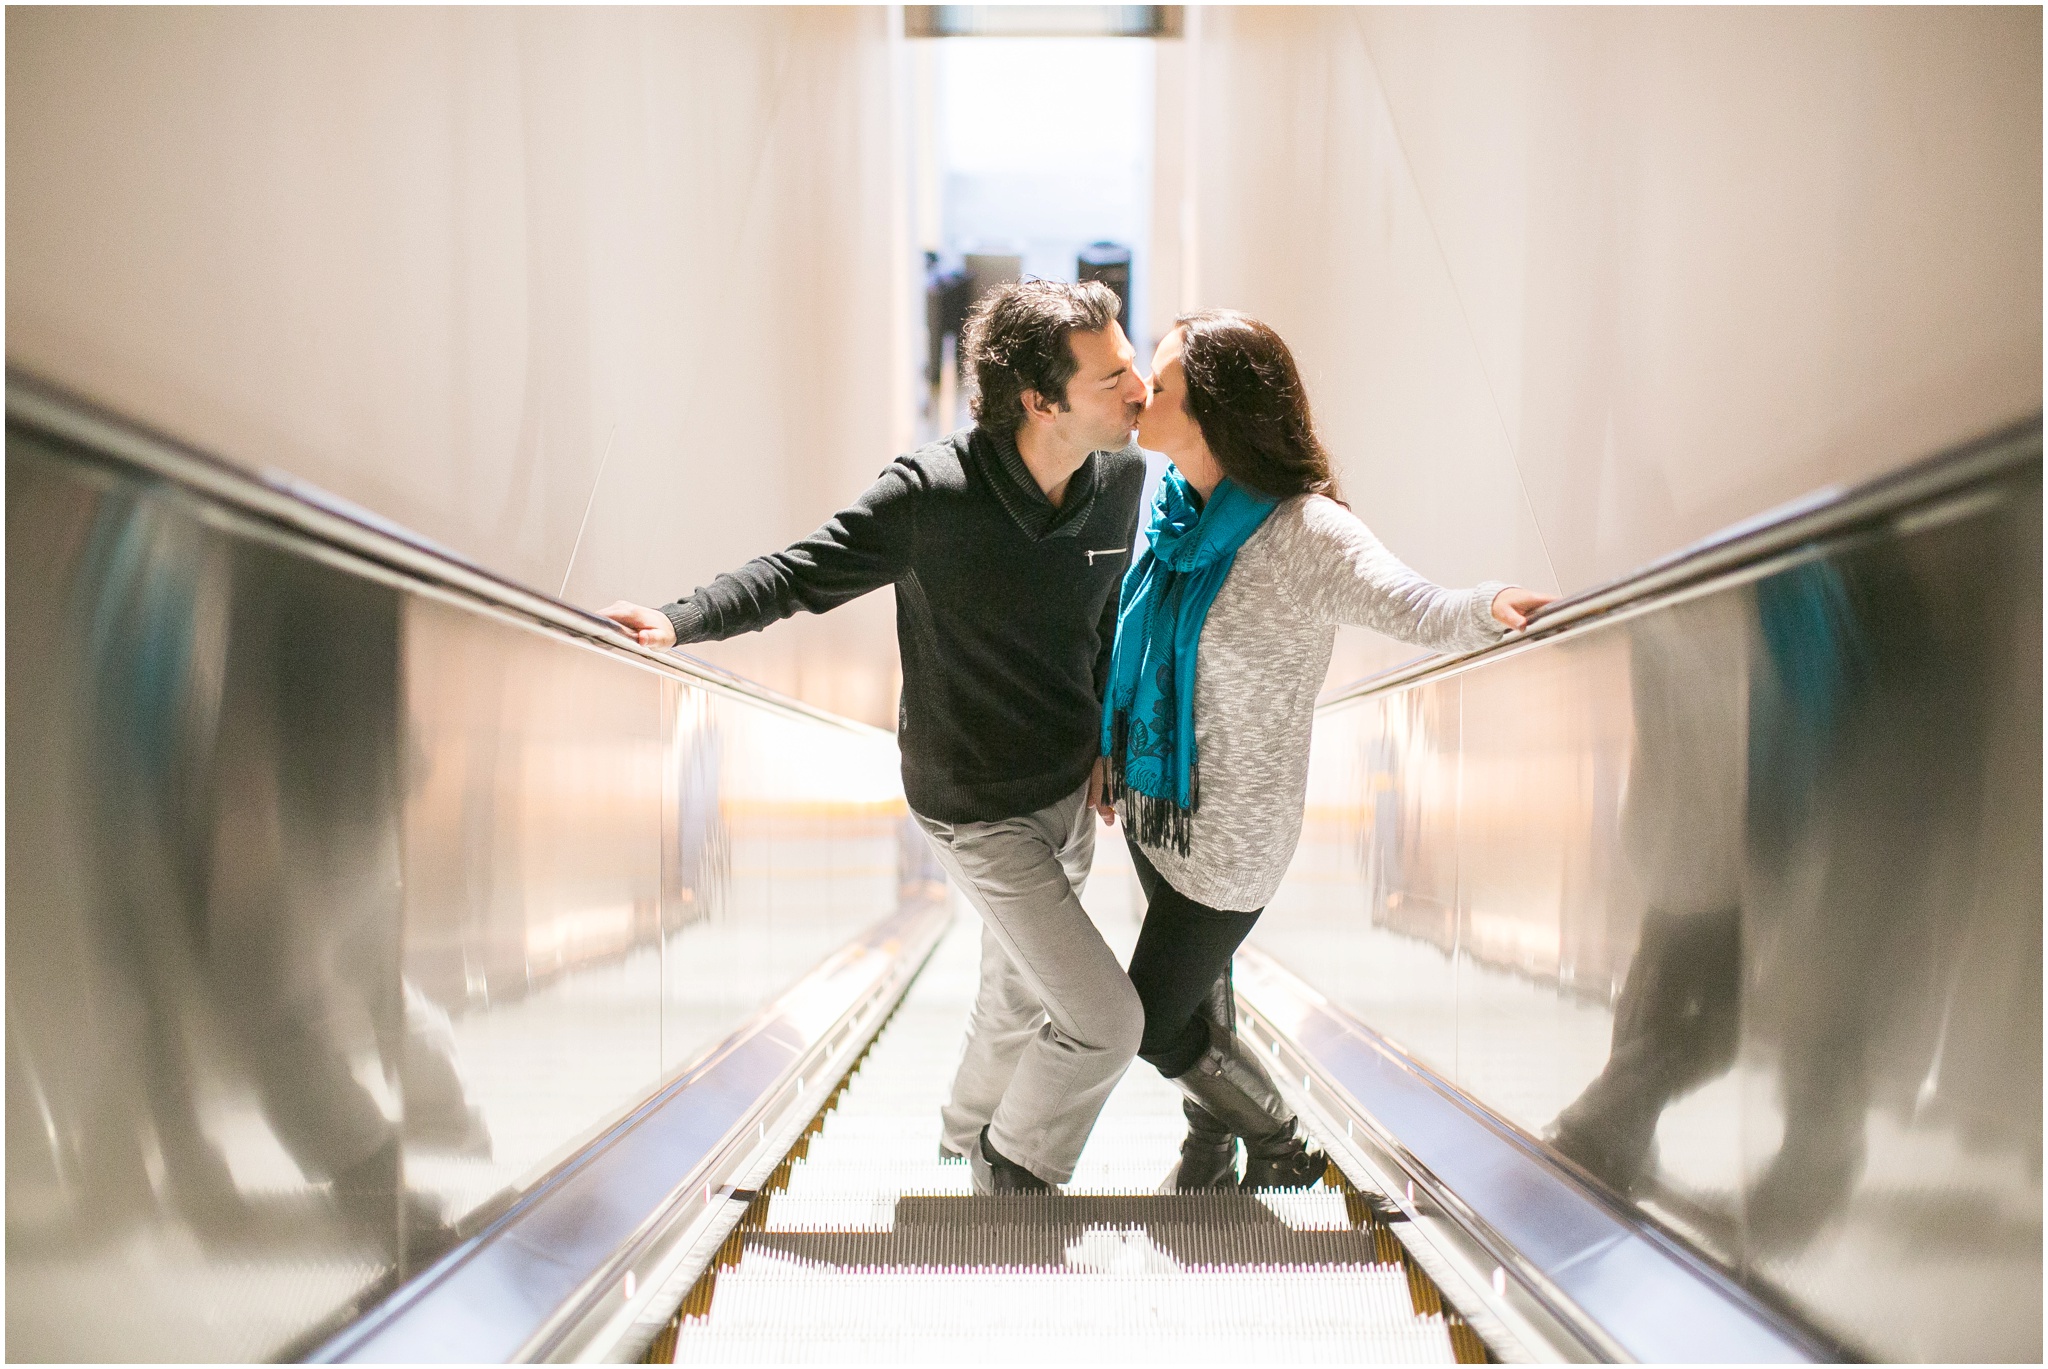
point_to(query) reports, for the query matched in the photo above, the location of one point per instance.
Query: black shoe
(993, 1173)
(1208, 1154)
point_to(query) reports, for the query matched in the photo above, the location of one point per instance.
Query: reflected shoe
(202, 1190)
(1624, 1158)
(1804, 1188)
(463, 1133)
(402, 1225)
(995, 1173)
(1208, 1153)
(425, 1232)
(1229, 1084)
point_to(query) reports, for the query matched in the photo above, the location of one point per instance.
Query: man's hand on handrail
(651, 627)
(1511, 606)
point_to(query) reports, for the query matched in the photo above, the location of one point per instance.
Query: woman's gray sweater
(1265, 649)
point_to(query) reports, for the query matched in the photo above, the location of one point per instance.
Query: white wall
(439, 261)
(1574, 287)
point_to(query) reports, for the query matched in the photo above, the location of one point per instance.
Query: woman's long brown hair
(1246, 395)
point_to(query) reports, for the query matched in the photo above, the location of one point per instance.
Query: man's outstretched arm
(647, 626)
(860, 549)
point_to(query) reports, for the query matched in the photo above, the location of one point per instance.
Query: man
(1006, 543)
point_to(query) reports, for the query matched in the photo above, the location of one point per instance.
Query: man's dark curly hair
(1016, 340)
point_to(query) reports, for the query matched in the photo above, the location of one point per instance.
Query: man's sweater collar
(1021, 496)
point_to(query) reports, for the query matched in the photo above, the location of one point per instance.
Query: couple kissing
(1049, 681)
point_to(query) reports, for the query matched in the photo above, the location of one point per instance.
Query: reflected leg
(303, 918)
(1675, 1028)
(284, 841)
(1888, 808)
(438, 1113)
(1875, 883)
(1871, 719)
(148, 584)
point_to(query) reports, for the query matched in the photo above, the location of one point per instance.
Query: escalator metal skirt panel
(1622, 1288)
(561, 1259)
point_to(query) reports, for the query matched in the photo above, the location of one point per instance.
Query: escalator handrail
(306, 511)
(1829, 512)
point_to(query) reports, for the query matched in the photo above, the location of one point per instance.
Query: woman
(1223, 636)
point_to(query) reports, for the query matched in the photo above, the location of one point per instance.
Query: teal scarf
(1148, 718)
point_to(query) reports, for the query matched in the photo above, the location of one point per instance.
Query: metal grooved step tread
(865, 1246)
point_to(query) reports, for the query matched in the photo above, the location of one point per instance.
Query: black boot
(1230, 1085)
(1284, 1161)
(1208, 1153)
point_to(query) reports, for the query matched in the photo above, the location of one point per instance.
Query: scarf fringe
(1155, 822)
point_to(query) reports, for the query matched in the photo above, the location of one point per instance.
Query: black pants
(1182, 948)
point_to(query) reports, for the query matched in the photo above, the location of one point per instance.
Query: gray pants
(1056, 1021)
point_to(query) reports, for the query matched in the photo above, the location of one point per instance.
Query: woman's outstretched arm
(1338, 572)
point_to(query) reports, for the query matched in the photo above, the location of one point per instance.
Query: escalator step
(1090, 1209)
(1046, 1246)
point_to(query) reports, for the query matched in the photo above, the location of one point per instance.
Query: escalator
(466, 983)
(865, 1247)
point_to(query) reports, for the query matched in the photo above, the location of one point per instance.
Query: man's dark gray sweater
(1005, 613)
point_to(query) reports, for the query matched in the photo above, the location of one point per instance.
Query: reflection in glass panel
(1372, 894)
(203, 1010)
(786, 839)
(1658, 1103)
(1891, 934)
(609, 871)
(1542, 907)
(338, 913)
(533, 839)
(1747, 899)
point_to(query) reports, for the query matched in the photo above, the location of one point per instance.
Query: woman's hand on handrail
(1514, 604)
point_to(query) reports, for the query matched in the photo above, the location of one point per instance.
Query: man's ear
(1035, 405)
